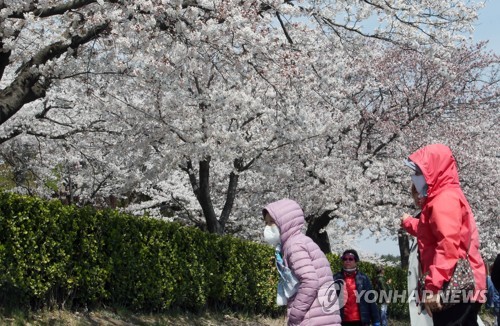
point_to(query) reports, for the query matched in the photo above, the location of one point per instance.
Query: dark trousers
(352, 323)
(461, 314)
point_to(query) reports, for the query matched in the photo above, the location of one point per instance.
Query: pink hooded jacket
(446, 225)
(310, 266)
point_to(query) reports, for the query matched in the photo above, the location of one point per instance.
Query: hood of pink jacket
(288, 216)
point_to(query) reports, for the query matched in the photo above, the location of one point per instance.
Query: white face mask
(420, 185)
(272, 234)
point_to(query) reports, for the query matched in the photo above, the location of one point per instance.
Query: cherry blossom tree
(204, 111)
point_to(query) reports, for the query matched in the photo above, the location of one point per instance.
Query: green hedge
(52, 255)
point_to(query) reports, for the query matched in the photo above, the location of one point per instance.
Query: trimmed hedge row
(52, 255)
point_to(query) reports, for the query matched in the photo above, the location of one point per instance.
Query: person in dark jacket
(356, 287)
(495, 273)
(384, 288)
(493, 298)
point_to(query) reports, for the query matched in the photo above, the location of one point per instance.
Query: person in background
(495, 273)
(284, 220)
(358, 309)
(493, 298)
(445, 231)
(383, 287)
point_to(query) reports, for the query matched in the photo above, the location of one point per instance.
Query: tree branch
(30, 85)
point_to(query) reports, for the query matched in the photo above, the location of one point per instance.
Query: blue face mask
(420, 185)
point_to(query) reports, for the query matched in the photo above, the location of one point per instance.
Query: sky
(488, 26)
(487, 29)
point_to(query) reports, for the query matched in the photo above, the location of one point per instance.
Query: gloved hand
(376, 323)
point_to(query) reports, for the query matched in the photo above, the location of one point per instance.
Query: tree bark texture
(404, 248)
(315, 230)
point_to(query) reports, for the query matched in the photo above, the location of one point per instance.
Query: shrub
(53, 255)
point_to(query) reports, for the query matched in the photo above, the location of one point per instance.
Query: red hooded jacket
(446, 225)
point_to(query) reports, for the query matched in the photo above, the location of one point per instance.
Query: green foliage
(52, 182)
(50, 254)
(391, 258)
(53, 255)
(6, 177)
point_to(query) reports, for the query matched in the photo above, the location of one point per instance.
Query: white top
(418, 317)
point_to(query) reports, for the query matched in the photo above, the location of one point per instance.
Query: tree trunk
(230, 196)
(315, 230)
(205, 200)
(201, 189)
(404, 247)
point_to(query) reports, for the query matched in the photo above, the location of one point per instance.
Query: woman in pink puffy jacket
(313, 301)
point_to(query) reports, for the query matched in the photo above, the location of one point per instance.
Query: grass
(126, 318)
(123, 317)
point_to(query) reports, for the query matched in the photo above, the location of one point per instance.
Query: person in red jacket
(445, 231)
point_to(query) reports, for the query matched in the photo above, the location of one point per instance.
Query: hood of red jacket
(438, 166)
